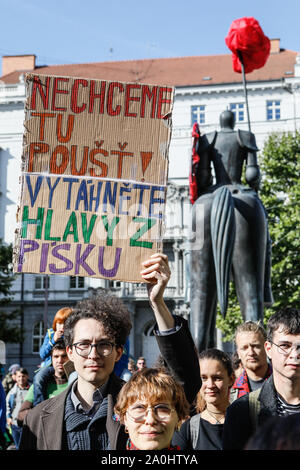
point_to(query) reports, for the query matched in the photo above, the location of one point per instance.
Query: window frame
(78, 280)
(238, 108)
(43, 282)
(273, 107)
(39, 336)
(198, 114)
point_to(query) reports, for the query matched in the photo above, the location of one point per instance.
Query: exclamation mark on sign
(146, 159)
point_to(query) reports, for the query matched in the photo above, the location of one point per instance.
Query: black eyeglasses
(286, 348)
(103, 348)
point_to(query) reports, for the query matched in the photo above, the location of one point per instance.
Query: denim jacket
(46, 348)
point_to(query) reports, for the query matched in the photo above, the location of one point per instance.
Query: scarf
(242, 383)
(131, 446)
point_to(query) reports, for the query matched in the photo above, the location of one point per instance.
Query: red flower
(245, 35)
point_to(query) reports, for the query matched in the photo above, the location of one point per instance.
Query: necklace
(212, 413)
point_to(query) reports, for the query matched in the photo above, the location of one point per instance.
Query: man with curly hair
(82, 417)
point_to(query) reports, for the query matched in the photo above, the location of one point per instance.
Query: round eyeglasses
(286, 348)
(138, 412)
(84, 349)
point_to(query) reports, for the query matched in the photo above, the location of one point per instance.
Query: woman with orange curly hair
(151, 405)
(52, 336)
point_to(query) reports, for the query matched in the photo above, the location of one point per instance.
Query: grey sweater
(14, 400)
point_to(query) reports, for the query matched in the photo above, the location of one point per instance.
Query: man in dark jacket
(280, 394)
(82, 417)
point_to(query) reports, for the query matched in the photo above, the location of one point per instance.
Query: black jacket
(181, 357)
(238, 428)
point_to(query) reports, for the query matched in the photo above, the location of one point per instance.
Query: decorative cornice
(176, 192)
(12, 93)
(228, 88)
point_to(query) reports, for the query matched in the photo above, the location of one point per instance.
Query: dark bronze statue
(233, 221)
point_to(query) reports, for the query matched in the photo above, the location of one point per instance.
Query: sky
(81, 31)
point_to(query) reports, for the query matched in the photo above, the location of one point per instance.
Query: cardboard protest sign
(94, 175)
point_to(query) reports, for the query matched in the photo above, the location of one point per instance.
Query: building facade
(204, 87)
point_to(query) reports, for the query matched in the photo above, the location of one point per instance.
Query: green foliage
(6, 276)
(281, 197)
(9, 320)
(10, 331)
(233, 317)
(280, 193)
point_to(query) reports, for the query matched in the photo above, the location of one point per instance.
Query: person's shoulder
(239, 404)
(53, 389)
(12, 391)
(50, 404)
(61, 396)
(243, 399)
(115, 384)
(33, 415)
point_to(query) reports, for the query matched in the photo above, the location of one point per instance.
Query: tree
(10, 331)
(280, 193)
(281, 197)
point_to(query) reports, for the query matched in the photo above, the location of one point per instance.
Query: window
(41, 282)
(238, 111)
(38, 336)
(76, 282)
(273, 110)
(114, 284)
(198, 114)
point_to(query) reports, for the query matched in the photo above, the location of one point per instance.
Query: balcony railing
(128, 290)
(139, 291)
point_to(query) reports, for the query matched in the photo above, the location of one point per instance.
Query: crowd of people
(90, 394)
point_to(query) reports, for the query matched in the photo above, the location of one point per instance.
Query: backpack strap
(254, 408)
(194, 429)
(233, 394)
